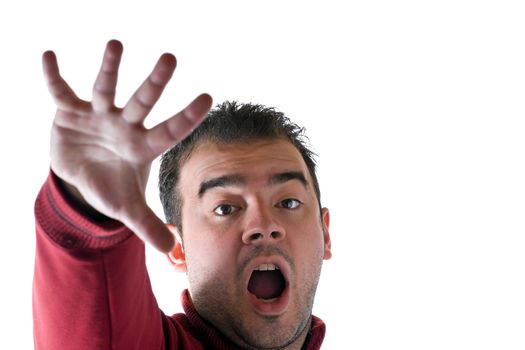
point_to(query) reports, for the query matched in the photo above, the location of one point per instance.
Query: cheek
(209, 250)
(208, 266)
(306, 223)
(306, 236)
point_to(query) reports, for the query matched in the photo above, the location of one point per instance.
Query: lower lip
(271, 307)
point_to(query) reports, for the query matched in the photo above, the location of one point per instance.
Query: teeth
(266, 267)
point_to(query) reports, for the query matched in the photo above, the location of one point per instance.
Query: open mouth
(266, 282)
(268, 287)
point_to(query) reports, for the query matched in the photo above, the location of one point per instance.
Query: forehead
(255, 159)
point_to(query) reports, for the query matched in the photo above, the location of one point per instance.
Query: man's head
(229, 123)
(243, 189)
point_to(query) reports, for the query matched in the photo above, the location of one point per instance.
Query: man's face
(250, 207)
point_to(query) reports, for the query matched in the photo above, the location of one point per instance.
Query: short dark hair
(227, 123)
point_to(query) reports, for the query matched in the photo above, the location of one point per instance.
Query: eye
(225, 209)
(290, 203)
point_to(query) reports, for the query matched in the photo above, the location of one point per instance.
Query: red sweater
(91, 289)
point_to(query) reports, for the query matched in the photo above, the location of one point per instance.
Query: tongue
(266, 284)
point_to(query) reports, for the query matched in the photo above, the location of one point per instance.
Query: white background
(416, 109)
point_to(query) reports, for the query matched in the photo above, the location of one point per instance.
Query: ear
(176, 256)
(325, 215)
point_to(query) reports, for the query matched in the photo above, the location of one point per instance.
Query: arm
(91, 289)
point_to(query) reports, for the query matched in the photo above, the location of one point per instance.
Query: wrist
(76, 200)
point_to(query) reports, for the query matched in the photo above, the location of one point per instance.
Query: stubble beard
(217, 303)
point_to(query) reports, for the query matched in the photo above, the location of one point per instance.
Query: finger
(106, 82)
(143, 100)
(62, 94)
(148, 227)
(175, 129)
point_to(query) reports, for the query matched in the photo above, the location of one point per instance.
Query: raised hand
(105, 152)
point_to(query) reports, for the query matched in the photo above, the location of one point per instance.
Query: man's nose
(262, 226)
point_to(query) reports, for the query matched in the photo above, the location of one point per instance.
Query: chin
(271, 332)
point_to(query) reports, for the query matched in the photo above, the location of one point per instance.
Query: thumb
(148, 226)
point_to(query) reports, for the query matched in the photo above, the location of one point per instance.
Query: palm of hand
(105, 152)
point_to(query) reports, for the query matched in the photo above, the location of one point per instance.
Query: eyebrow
(280, 178)
(238, 180)
(221, 181)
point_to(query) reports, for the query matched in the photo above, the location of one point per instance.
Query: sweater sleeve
(91, 289)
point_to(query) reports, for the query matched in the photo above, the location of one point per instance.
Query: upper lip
(277, 260)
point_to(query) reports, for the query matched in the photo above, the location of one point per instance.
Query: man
(244, 222)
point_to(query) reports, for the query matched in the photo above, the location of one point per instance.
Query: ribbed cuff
(69, 227)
